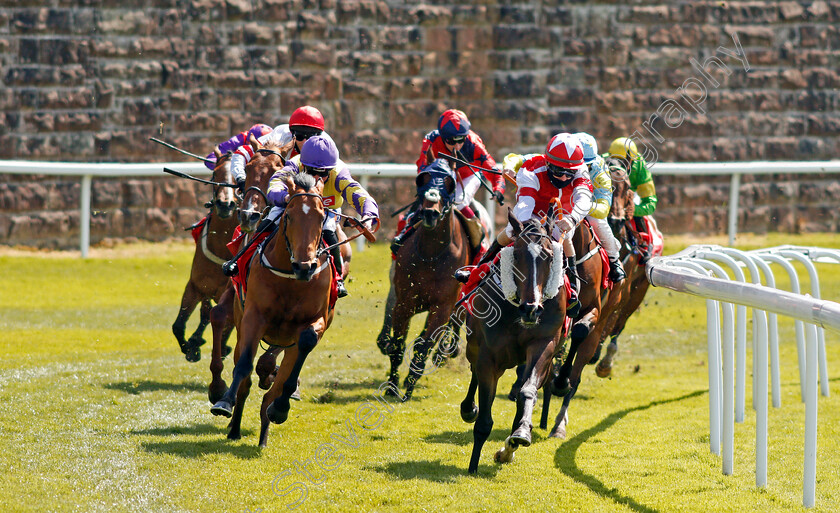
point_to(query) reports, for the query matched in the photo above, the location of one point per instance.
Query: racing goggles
(452, 141)
(560, 172)
(317, 172)
(302, 134)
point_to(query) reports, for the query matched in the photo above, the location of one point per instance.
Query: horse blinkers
(435, 190)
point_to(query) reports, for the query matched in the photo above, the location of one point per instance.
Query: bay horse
(207, 282)
(592, 269)
(526, 327)
(287, 304)
(423, 279)
(625, 298)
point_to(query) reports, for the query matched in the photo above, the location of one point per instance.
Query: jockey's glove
(565, 225)
(499, 197)
(372, 223)
(240, 184)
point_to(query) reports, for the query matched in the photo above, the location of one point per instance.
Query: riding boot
(573, 305)
(331, 238)
(463, 275)
(399, 240)
(617, 273)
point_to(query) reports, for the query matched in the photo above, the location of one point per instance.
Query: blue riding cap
(438, 170)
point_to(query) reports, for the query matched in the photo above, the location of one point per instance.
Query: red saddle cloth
(653, 237)
(197, 227)
(243, 265)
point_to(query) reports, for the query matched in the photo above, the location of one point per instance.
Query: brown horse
(287, 304)
(423, 279)
(625, 298)
(523, 324)
(207, 282)
(583, 336)
(258, 172)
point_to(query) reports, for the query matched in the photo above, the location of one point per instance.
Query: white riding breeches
(604, 232)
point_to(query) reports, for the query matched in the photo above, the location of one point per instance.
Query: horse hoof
(558, 433)
(275, 415)
(514, 391)
(196, 341)
(216, 391)
(521, 437)
(296, 394)
(226, 349)
(503, 456)
(234, 435)
(470, 416)
(561, 387)
(193, 354)
(222, 408)
(603, 372)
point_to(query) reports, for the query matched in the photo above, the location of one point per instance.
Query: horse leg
(384, 338)
(196, 340)
(584, 354)
(580, 331)
(535, 373)
(251, 330)
(562, 419)
(236, 419)
(266, 368)
(422, 346)
(488, 378)
(469, 411)
(278, 410)
(514, 389)
(283, 371)
(189, 300)
(222, 327)
(396, 348)
(547, 393)
(604, 367)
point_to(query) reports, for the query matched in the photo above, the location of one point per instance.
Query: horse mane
(304, 181)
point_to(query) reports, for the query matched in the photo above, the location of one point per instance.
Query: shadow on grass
(194, 430)
(138, 387)
(198, 449)
(465, 437)
(434, 471)
(564, 458)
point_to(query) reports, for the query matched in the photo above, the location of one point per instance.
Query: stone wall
(92, 80)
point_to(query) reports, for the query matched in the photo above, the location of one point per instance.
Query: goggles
(455, 140)
(302, 135)
(317, 172)
(560, 172)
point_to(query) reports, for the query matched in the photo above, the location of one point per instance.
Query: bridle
(286, 221)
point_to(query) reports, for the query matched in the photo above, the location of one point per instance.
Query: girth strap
(204, 249)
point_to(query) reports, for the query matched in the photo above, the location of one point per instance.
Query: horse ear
(423, 179)
(450, 184)
(217, 152)
(515, 223)
(255, 144)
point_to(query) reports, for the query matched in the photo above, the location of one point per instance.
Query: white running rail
(688, 271)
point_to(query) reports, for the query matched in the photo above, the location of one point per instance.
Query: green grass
(102, 413)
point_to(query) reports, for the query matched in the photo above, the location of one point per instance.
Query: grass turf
(103, 413)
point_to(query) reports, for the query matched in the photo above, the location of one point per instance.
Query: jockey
(235, 142)
(625, 151)
(454, 138)
(304, 123)
(319, 157)
(560, 173)
(602, 184)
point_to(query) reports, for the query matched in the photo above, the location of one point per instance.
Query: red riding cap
(307, 116)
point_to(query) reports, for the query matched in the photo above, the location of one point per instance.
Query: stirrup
(341, 290)
(463, 274)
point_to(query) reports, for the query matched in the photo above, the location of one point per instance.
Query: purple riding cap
(236, 141)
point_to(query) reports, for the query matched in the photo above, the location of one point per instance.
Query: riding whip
(208, 182)
(193, 155)
(476, 173)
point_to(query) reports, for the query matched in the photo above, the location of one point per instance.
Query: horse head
(258, 172)
(302, 223)
(536, 267)
(436, 189)
(623, 202)
(224, 198)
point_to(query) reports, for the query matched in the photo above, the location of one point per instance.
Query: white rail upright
(670, 272)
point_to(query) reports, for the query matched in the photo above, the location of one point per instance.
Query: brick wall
(91, 80)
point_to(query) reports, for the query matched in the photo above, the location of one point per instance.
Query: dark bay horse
(423, 276)
(625, 298)
(583, 335)
(287, 304)
(523, 324)
(207, 282)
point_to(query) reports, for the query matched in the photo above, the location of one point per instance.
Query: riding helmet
(623, 148)
(453, 123)
(307, 116)
(319, 152)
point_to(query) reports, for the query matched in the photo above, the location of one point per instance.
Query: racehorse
(526, 328)
(625, 298)
(258, 172)
(591, 268)
(287, 304)
(207, 282)
(423, 279)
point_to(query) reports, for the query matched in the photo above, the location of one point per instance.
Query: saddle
(475, 234)
(195, 229)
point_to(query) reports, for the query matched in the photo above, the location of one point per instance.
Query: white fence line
(687, 272)
(87, 171)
